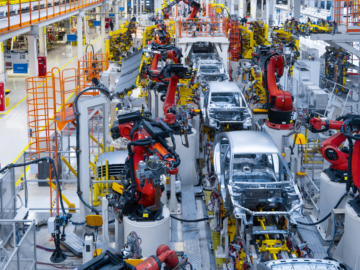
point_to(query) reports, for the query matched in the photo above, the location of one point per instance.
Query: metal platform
(73, 242)
(311, 235)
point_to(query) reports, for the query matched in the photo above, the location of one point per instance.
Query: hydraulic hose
(177, 161)
(135, 127)
(351, 147)
(327, 216)
(77, 114)
(93, 51)
(173, 141)
(349, 172)
(142, 142)
(48, 159)
(190, 220)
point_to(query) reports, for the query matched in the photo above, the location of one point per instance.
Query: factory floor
(13, 122)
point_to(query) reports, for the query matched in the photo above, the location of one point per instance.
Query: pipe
(69, 166)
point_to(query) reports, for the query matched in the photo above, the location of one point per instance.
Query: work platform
(21, 22)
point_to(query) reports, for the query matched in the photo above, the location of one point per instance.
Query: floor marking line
(27, 146)
(72, 59)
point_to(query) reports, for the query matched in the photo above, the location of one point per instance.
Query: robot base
(348, 249)
(326, 204)
(277, 135)
(187, 168)
(152, 233)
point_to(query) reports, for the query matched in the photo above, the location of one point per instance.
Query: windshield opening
(210, 69)
(258, 168)
(225, 100)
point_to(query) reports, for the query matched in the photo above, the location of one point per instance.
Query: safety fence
(347, 13)
(24, 13)
(23, 254)
(342, 99)
(49, 111)
(8, 193)
(91, 66)
(203, 27)
(235, 41)
(42, 129)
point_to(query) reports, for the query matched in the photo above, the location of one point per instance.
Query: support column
(33, 54)
(288, 10)
(42, 41)
(253, 9)
(79, 34)
(117, 15)
(231, 6)
(132, 7)
(270, 10)
(126, 8)
(332, 10)
(241, 8)
(262, 10)
(2, 64)
(98, 28)
(86, 30)
(297, 10)
(103, 34)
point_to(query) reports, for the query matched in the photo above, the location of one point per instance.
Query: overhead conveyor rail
(26, 13)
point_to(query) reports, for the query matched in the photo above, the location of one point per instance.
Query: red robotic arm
(280, 112)
(283, 100)
(330, 147)
(140, 152)
(194, 7)
(163, 255)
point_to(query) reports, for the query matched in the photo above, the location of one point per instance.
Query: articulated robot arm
(164, 255)
(149, 157)
(341, 160)
(195, 7)
(330, 147)
(280, 102)
(280, 99)
(164, 52)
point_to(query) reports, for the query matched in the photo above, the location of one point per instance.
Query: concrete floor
(14, 140)
(14, 122)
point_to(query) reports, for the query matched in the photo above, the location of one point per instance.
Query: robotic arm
(149, 157)
(164, 255)
(330, 147)
(340, 159)
(195, 7)
(280, 102)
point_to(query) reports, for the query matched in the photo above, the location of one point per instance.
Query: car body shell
(233, 108)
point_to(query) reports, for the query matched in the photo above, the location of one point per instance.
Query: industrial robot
(342, 175)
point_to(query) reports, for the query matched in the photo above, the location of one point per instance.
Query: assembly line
(180, 134)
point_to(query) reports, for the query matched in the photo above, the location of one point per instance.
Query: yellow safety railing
(69, 204)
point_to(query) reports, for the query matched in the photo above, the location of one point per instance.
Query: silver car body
(201, 50)
(224, 103)
(301, 264)
(210, 70)
(251, 172)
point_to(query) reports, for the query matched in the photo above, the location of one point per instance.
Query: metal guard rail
(33, 12)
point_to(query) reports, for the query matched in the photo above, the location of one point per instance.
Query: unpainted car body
(224, 103)
(201, 50)
(297, 264)
(210, 70)
(253, 175)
